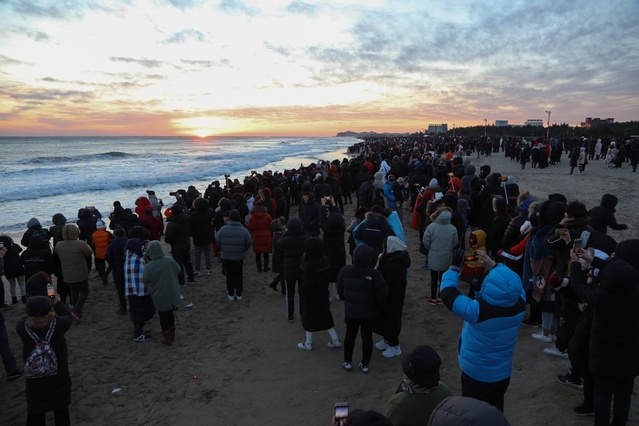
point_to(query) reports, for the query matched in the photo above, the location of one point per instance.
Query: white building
(501, 123)
(438, 128)
(534, 122)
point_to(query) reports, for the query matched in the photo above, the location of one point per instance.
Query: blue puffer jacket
(491, 322)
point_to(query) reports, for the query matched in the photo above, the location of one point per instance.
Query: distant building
(595, 122)
(438, 128)
(501, 123)
(534, 122)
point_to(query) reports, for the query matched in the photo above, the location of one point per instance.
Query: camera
(173, 193)
(226, 175)
(341, 413)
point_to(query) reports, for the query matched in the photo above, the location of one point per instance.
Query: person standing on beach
(9, 361)
(440, 238)
(260, 227)
(141, 308)
(490, 330)
(13, 269)
(115, 257)
(203, 232)
(292, 244)
(48, 321)
(314, 294)
(177, 235)
(234, 240)
(364, 292)
(75, 258)
(160, 274)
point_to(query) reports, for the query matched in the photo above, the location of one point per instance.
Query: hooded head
(470, 170)
(619, 277)
(100, 224)
(502, 287)
(37, 242)
(434, 183)
(522, 208)
(201, 204)
(363, 255)
(234, 215)
(628, 250)
(59, 219)
(134, 245)
(294, 227)
(33, 223)
(70, 232)
(394, 244)
(154, 250)
(38, 306)
(551, 213)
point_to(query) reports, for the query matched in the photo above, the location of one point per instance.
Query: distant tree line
(560, 131)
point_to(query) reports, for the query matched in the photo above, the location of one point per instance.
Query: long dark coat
(315, 305)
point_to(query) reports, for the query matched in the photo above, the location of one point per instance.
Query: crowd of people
(543, 262)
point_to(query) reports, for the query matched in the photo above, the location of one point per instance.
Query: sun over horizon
(276, 68)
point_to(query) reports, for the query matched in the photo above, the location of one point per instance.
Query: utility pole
(453, 129)
(548, 127)
(485, 124)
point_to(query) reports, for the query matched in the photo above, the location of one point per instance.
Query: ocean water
(42, 176)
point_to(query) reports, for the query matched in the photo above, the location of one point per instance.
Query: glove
(458, 259)
(499, 252)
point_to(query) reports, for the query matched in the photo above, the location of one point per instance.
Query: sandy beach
(236, 363)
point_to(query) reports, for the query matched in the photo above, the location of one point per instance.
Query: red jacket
(260, 226)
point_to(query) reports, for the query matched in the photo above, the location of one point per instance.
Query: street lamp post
(454, 130)
(485, 124)
(548, 126)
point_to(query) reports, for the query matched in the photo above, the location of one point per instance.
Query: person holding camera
(490, 330)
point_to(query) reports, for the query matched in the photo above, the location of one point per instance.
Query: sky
(311, 68)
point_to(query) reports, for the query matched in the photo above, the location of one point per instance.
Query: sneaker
(191, 282)
(363, 367)
(77, 315)
(291, 319)
(423, 266)
(382, 345)
(565, 379)
(541, 337)
(230, 298)
(197, 274)
(305, 346)
(14, 376)
(147, 333)
(530, 322)
(439, 301)
(141, 338)
(181, 297)
(431, 301)
(553, 351)
(238, 297)
(334, 344)
(347, 366)
(583, 410)
(209, 272)
(392, 351)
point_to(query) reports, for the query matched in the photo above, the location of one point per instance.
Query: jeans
(234, 276)
(353, 325)
(492, 393)
(8, 359)
(605, 388)
(206, 250)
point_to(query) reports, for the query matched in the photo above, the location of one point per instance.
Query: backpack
(42, 361)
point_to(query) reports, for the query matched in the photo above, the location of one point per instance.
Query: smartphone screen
(577, 245)
(341, 413)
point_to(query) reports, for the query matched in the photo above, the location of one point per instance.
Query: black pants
(119, 289)
(605, 388)
(100, 265)
(353, 325)
(182, 255)
(234, 276)
(258, 261)
(435, 276)
(290, 283)
(61, 418)
(492, 393)
(167, 320)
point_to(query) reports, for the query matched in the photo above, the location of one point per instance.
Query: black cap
(422, 366)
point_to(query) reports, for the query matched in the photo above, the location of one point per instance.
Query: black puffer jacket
(314, 304)
(603, 216)
(614, 336)
(292, 247)
(361, 287)
(393, 265)
(177, 230)
(334, 248)
(201, 223)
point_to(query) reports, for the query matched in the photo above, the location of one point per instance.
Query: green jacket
(161, 275)
(73, 255)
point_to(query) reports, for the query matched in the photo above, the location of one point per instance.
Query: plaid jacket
(133, 270)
